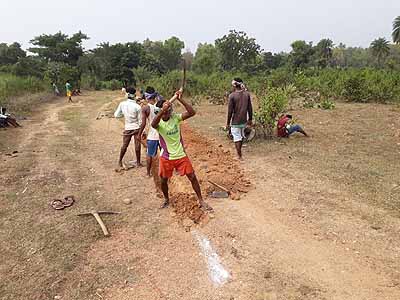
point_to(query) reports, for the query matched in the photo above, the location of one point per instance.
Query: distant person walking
(68, 89)
(240, 113)
(56, 90)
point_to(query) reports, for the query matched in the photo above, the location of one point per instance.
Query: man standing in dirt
(240, 113)
(173, 155)
(149, 112)
(132, 113)
(68, 89)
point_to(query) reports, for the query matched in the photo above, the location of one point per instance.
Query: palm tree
(326, 47)
(380, 48)
(396, 30)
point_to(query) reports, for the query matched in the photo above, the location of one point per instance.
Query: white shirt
(132, 113)
(153, 133)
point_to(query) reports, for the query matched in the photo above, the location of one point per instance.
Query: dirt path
(296, 233)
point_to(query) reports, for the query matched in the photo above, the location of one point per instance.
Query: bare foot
(119, 169)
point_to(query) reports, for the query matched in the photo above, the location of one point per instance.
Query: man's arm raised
(190, 112)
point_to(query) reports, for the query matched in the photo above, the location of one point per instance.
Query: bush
(359, 85)
(107, 85)
(281, 77)
(326, 104)
(88, 82)
(354, 89)
(270, 107)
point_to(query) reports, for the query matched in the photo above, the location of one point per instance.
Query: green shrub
(88, 82)
(359, 85)
(271, 106)
(326, 104)
(107, 85)
(354, 89)
(281, 77)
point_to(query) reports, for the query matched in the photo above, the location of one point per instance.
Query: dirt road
(320, 219)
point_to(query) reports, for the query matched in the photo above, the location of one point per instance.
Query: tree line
(59, 57)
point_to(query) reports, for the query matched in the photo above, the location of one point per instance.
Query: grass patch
(74, 120)
(21, 94)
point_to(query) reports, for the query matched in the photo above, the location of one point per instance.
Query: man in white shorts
(240, 113)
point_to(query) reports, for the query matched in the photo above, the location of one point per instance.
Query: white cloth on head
(239, 84)
(132, 113)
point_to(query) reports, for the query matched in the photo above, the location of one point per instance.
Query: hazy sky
(275, 24)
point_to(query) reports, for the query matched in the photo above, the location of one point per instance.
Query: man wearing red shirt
(285, 129)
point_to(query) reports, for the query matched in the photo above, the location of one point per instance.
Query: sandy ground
(313, 218)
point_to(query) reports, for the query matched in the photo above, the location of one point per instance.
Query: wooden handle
(100, 221)
(219, 186)
(175, 96)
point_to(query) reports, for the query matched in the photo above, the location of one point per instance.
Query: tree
(396, 30)
(172, 53)
(162, 57)
(339, 56)
(30, 66)
(59, 73)
(142, 75)
(59, 47)
(323, 53)
(301, 54)
(11, 54)
(380, 49)
(273, 61)
(237, 50)
(108, 62)
(206, 59)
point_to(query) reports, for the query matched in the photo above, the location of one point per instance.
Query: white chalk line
(218, 275)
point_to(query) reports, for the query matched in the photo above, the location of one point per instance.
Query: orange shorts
(183, 166)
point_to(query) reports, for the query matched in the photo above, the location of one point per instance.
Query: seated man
(285, 128)
(173, 155)
(6, 119)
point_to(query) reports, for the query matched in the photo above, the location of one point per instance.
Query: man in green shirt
(173, 155)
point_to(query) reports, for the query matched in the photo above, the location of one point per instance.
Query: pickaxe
(96, 215)
(175, 97)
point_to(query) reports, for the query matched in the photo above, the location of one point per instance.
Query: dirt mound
(186, 206)
(211, 162)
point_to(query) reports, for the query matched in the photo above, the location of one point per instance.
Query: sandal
(57, 204)
(68, 201)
